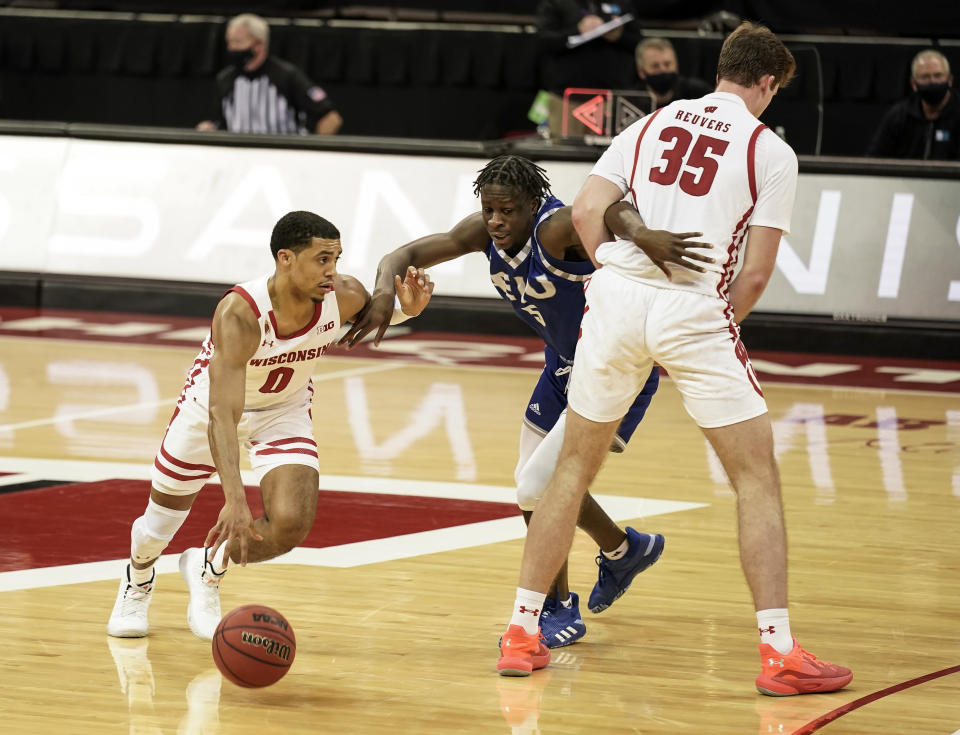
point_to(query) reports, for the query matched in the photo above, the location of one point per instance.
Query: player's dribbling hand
(234, 527)
(375, 315)
(414, 291)
(663, 247)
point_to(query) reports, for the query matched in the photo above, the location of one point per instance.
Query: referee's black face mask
(240, 58)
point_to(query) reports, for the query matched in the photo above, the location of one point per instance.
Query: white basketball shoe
(129, 616)
(203, 610)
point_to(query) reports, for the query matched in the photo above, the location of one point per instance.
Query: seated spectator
(657, 73)
(260, 93)
(926, 124)
(603, 63)
(595, 63)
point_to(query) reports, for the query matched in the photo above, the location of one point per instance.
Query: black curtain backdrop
(428, 83)
(940, 18)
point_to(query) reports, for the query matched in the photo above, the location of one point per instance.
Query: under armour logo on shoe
(775, 662)
(770, 630)
(524, 609)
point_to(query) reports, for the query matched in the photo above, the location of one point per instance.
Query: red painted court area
(93, 519)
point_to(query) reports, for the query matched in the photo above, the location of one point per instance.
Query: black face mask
(933, 93)
(240, 59)
(661, 83)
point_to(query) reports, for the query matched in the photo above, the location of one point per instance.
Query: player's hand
(663, 247)
(414, 291)
(375, 315)
(234, 527)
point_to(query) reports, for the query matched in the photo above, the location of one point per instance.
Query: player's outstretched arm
(469, 235)
(236, 334)
(661, 246)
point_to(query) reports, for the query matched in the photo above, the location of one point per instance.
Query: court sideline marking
(840, 711)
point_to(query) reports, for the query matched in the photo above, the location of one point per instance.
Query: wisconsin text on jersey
(293, 356)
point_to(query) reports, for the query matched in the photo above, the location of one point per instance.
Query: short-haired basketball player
(250, 384)
(539, 267)
(710, 165)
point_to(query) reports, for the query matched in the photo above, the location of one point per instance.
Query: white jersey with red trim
(279, 371)
(672, 159)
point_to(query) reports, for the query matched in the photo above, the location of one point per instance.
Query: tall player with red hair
(707, 165)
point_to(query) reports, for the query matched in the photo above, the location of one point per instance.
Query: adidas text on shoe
(203, 610)
(559, 625)
(614, 576)
(129, 616)
(798, 672)
(521, 653)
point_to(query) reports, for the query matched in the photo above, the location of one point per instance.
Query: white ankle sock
(617, 552)
(774, 625)
(526, 610)
(141, 576)
(568, 603)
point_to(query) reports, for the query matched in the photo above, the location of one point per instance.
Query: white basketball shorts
(629, 326)
(272, 437)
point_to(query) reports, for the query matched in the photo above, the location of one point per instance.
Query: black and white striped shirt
(275, 98)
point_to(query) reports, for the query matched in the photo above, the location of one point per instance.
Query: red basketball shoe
(521, 652)
(798, 672)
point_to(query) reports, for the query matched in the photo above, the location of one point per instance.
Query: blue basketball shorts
(549, 399)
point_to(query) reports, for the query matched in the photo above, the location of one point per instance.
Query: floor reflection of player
(203, 704)
(539, 267)
(135, 674)
(520, 702)
(137, 682)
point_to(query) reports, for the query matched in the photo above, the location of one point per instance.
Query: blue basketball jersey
(546, 293)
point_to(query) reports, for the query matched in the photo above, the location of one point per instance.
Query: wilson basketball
(254, 646)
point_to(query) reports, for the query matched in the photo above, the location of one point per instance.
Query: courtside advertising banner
(861, 247)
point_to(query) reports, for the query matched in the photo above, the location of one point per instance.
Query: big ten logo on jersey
(520, 289)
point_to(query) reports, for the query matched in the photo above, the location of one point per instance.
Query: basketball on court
(254, 646)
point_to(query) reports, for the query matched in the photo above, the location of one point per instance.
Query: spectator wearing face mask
(657, 73)
(259, 93)
(925, 125)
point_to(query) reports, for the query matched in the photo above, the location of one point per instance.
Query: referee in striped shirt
(262, 94)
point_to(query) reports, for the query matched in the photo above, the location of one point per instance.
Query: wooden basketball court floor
(400, 594)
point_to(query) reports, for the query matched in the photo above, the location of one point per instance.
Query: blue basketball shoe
(615, 576)
(559, 625)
